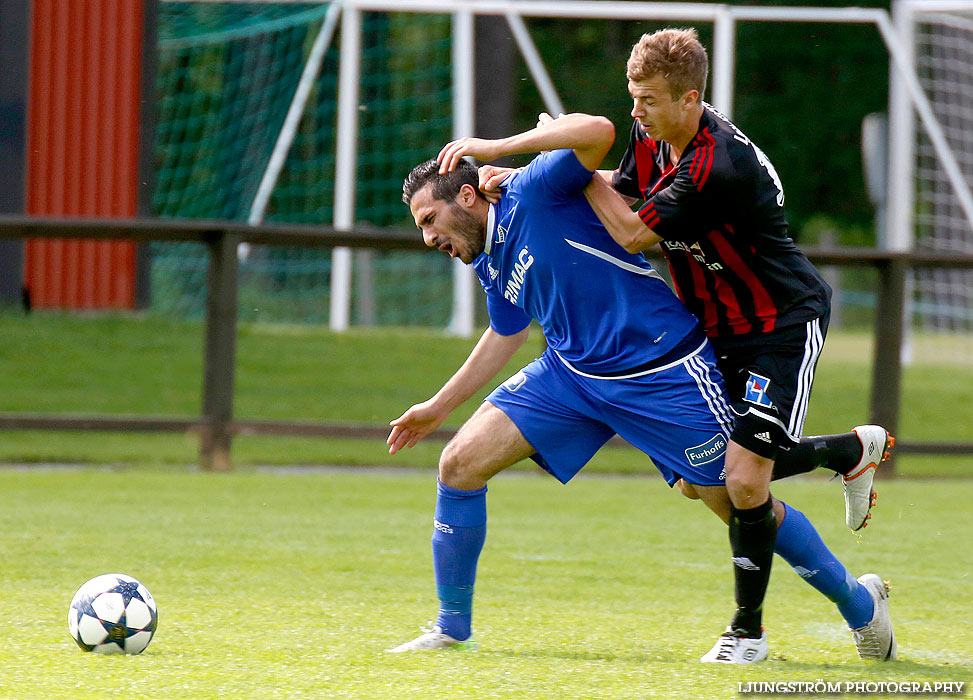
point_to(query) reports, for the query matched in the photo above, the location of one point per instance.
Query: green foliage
(284, 585)
(802, 92)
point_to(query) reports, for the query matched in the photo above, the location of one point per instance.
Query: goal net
(227, 74)
(943, 298)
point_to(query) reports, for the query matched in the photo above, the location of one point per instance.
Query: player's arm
(590, 137)
(492, 176)
(609, 177)
(489, 356)
(624, 225)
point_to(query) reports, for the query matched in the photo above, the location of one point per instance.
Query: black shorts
(768, 380)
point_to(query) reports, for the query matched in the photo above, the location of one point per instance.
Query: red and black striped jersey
(719, 211)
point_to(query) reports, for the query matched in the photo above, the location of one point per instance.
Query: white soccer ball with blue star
(113, 614)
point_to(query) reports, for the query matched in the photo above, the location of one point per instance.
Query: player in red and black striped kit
(714, 203)
(717, 209)
(720, 217)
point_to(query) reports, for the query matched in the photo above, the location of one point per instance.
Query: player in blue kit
(624, 356)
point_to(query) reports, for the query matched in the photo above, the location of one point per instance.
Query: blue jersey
(604, 312)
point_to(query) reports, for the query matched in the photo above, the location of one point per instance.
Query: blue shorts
(677, 415)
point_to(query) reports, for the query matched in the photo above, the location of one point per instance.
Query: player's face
(449, 226)
(660, 115)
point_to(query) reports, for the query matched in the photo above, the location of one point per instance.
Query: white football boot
(857, 484)
(730, 649)
(876, 640)
(435, 639)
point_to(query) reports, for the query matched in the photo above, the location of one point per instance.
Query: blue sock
(801, 546)
(460, 530)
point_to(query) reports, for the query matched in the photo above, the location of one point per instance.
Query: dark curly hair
(445, 186)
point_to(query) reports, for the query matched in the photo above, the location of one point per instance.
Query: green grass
(291, 585)
(152, 366)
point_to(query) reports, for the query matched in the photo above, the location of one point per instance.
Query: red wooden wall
(82, 146)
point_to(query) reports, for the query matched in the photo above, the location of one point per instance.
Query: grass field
(151, 366)
(291, 582)
(286, 585)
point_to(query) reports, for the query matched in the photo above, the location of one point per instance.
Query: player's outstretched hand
(491, 177)
(413, 425)
(481, 149)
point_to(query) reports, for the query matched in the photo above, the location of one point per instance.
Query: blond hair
(676, 54)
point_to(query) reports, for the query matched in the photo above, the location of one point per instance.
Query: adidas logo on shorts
(765, 436)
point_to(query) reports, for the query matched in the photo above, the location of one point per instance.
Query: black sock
(839, 453)
(753, 534)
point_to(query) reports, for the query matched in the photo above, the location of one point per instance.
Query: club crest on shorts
(756, 391)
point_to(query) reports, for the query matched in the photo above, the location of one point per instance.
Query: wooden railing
(216, 425)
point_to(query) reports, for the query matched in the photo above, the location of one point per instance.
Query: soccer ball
(113, 614)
